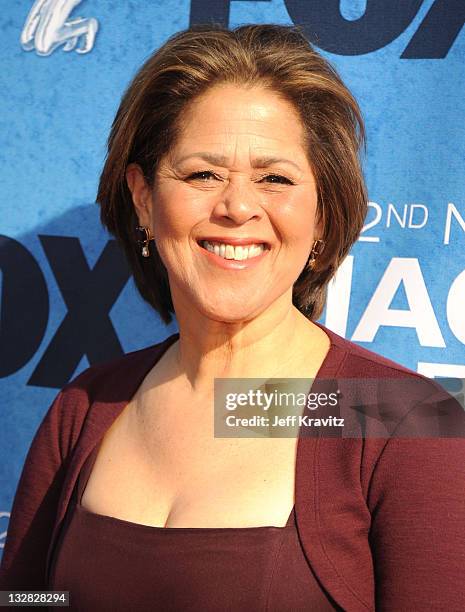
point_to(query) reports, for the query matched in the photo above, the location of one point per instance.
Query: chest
(167, 468)
(161, 464)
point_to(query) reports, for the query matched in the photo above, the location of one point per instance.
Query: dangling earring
(145, 241)
(317, 248)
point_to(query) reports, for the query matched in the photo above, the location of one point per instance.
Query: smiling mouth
(234, 252)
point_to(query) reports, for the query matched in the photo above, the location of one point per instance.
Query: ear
(141, 194)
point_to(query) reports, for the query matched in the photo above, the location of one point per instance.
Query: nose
(239, 202)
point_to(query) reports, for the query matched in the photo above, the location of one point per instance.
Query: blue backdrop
(66, 297)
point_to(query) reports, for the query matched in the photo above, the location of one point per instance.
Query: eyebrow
(221, 160)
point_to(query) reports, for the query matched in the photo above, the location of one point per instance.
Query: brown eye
(202, 175)
(281, 179)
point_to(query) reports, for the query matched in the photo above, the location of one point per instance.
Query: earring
(145, 241)
(317, 248)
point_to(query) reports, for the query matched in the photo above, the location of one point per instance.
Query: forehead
(253, 115)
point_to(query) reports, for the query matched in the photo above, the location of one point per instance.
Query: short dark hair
(277, 57)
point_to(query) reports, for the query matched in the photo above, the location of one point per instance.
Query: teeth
(228, 251)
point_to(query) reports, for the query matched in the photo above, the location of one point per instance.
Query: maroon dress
(110, 564)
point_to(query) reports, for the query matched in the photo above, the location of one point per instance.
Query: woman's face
(238, 174)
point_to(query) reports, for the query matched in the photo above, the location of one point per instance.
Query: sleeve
(417, 536)
(35, 505)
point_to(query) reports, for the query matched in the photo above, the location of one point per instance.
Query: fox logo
(47, 27)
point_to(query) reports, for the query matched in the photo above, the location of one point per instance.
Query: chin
(229, 313)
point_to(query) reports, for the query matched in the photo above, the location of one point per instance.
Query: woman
(233, 183)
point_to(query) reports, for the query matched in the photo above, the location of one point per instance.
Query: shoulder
(356, 359)
(390, 394)
(116, 375)
(353, 361)
(108, 384)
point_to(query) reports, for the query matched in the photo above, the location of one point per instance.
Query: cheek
(296, 221)
(169, 223)
(172, 218)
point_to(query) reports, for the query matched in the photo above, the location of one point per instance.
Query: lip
(235, 241)
(232, 264)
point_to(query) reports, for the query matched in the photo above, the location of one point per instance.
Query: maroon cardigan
(381, 520)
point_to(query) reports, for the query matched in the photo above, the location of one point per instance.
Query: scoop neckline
(155, 528)
(290, 523)
(325, 366)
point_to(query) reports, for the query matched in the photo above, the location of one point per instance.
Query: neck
(261, 347)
